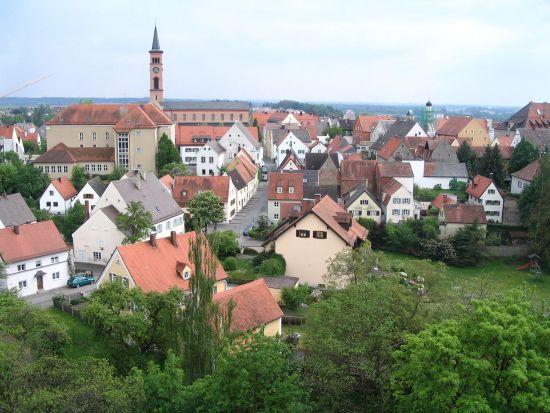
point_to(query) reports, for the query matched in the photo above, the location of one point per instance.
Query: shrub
(494, 239)
(292, 298)
(230, 264)
(224, 243)
(272, 266)
(58, 299)
(250, 251)
(76, 301)
(437, 250)
(469, 243)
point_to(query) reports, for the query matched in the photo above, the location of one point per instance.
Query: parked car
(78, 280)
(247, 229)
(264, 177)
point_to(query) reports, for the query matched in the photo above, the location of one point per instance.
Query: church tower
(156, 91)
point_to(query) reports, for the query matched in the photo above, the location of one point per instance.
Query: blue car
(78, 280)
(247, 229)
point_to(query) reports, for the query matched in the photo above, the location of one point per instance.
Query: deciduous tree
(78, 177)
(136, 223)
(206, 208)
(524, 153)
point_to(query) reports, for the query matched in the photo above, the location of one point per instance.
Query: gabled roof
(444, 199)
(185, 133)
(206, 105)
(528, 172)
(281, 282)
(314, 161)
(355, 193)
(394, 169)
(7, 132)
(291, 157)
(388, 149)
(254, 305)
(34, 240)
(389, 189)
(532, 115)
(301, 134)
(285, 180)
(65, 187)
(368, 122)
(186, 187)
(464, 214)
(60, 153)
(168, 181)
(14, 210)
(156, 268)
(453, 126)
(400, 128)
(246, 132)
(132, 115)
(147, 189)
(478, 186)
(97, 185)
(538, 137)
(244, 167)
(216, 147)
(358, 169)
(445, 169)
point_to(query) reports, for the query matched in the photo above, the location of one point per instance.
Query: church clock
(156, 69)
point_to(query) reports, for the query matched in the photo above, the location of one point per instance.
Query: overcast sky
(466, 52)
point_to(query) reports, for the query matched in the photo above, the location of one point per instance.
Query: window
(395, 212)
(65, 168)
(54, 260)
(396, 200)
(22, 284)
(231, 117)
(290, 189)
(107, 136)
(406, 200)
(364, 202)
(81, 136)
(97, 255)
(194, 116)
(51, 193)
(406, 212)
(241, 117)
(279, 189)
(222, 117)
(21, 267)
(55, 275)
(211, 159)
(320, 234)
(55, 204)
(94, 136)
(282, 151)
(38, 263)
(123, 151)
(159, 228)
(46, 169)
(88, 196)
(301, 151)
(168, 225)
(186, 275)
(58, 168)
(275, 216)
(48, 204)
(203, 159)
(491, 191)
(302, 233)
(276, 203)
(138, 150)
(212, 117)
(203, 117)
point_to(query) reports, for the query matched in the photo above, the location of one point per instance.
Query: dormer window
(183, 270)
(186, 275)
(290, 189)
(279, 189)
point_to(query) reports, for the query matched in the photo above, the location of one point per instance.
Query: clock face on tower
(156, 69)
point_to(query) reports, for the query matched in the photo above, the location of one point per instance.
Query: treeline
(317, 109)
(37, 115)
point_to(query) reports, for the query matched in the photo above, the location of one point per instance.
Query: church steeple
(156, 44)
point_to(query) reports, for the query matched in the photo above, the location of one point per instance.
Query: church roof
(156, 44)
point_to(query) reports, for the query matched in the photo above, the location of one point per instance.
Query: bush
(230, 264)
(437, 250)
(292, 298)
(494, 239)
(250, 251)
(76, 301)
(469, 243)
(272, 266)
(224, 243)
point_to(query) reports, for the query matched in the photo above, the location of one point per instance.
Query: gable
(373, 203)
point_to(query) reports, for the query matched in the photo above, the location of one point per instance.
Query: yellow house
(306, 243)
(462, 127)
(361, 203)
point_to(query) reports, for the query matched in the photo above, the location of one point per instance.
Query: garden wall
(508, 251)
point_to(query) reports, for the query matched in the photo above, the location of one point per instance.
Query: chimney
(317, 198)
(86, 210)
(153, 240)
(16, 229)
(59, 179)
(174, 238)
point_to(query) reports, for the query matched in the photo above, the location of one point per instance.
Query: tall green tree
(67, 224)
(466, 155)
(524, 153)
(167, 152)
(491, 165)
(136, 223)
(469, 244)
(78, 177)
(333, 131)
(493, 358)
(204, 326)
(206, 208)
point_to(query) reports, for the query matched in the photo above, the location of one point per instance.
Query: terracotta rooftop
(168, 181)
(157, 268)
(533, 115)
(186, 187)
(528, 173)
(33, 240)
(478, 186)
(395, 169)
(65, 187)
(186, 134)
(60, 153)
(389, 189)
(453, 126)
(444, 199)
(254, 305)
(464, 214)
(357, 169)
(285, 180)
(388, 149)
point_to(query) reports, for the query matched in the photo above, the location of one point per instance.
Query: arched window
(155, 83)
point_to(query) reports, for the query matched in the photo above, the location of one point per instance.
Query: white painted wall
(188, 154)
(234, 140)
(491, 195)
(428, 181)
(417, 130)
(87, 193)
(401, 206)
(209, 161)
(52, 201)
(291, 142)
(518, 185)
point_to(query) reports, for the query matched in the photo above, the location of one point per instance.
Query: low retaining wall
(508, 251)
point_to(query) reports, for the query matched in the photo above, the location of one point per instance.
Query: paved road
(256, 206)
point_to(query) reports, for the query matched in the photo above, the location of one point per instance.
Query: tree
(206, 208)
(224, 243)
(466, 155)
(167, 152)
(78, 177)
(350, 337)
(202, 331)
(492, 358)
(261, 227)
(136, 223)
(492, 166)
(70, 222)
(30, 147)
(468, 243)
(333, 131)
(174, 169)
(351, 266)
(524, 153)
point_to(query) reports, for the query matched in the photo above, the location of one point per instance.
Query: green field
(495, 276)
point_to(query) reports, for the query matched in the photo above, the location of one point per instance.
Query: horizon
(463, 53)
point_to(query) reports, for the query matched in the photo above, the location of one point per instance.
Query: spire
(156, 45)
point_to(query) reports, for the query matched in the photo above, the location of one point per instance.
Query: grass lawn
(84, 342)
(498, 276)
(244, 271)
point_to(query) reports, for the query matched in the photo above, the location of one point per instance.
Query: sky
(487, 52)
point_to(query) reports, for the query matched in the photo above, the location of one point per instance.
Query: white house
(210, 159)
(91, 192)
(97, 238)
(398, 202)
(483, 191)
(297, 140)
(430, 174)
(10, 141)
(522, 179)
(59, 196)
(317, 147)
(35, 257)
(239, 137)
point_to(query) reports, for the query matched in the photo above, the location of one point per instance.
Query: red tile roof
(505, 140)
(395, 169)
(254, 305)
(157, 268)
(388, 149)
(291, 157)
(168, 181)
(7, 132)
(285, 180)
(528, 173)
(186, 187)
(33, 240)
(453, 126)
(26, 136)
(464, 214)
(244, 165)
(60, 153)
(186, 133)
(124, 116)
(334, 216)
(478, 186)
(389, 189)
(444, 199)
(65, 187)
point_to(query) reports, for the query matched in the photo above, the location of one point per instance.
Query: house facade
(35, 257)
(361, 203)
(10, 141)
(59, 196)
(453, 217)
(283, 188)
(398, 202)
(90, 193)
(483, 191)
(522, 179)
(297, 141)
(430, 174)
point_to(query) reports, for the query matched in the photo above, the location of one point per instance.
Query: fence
(65, 303)
(508, 251)
(294, 320)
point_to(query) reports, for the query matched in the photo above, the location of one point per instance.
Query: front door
(40, 282)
